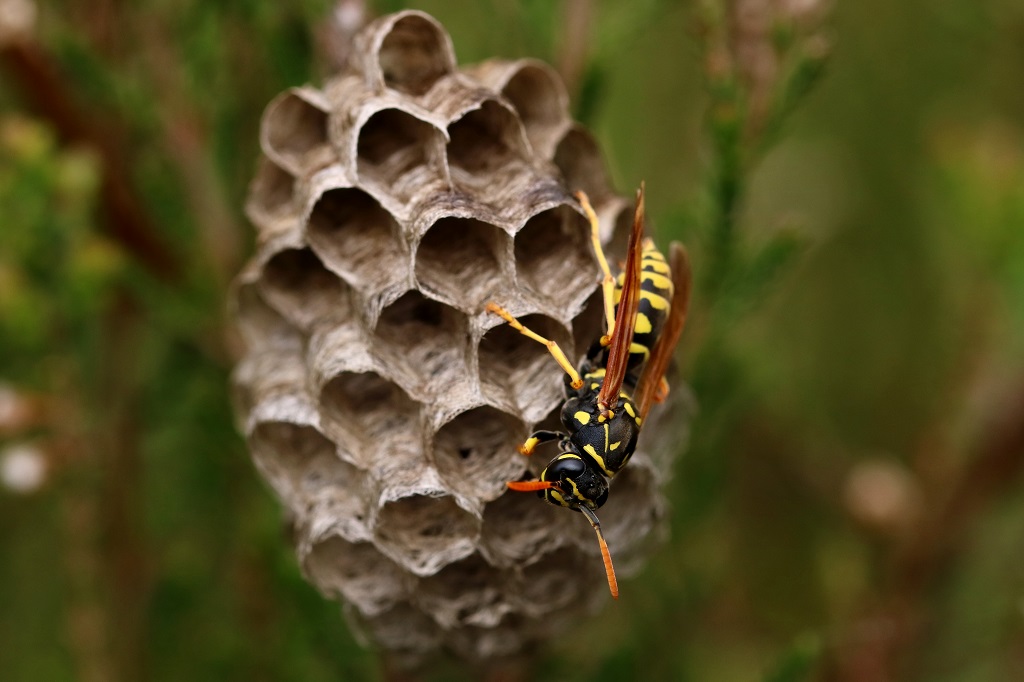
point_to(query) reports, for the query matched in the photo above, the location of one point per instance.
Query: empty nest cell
(425, 532)
(392, 144)
(579, 159)
(414, 54)
(467, 592)
(371, 416)
(429, 338)
(302, 464)
(404, 631)
(475, 452)
(460, 261)
(589, 325)
(552, 255)
(356, 237)
(615, 249)
(363, 575)
(299, 287)
(484, 142)
(540, 101)
(520, 526)
(559, 579)
(295, 133)
(630, 512)
(271, 195)
(522, 369)
(504, 640)
(260, 324)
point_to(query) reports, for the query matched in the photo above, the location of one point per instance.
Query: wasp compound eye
(565, 466)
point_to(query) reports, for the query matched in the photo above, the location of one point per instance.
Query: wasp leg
(553, 348)
(661, 393)
(536, 439)
(607, 282)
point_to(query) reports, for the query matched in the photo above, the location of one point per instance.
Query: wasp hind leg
(553, 347)
(607, 281)
(661, 393)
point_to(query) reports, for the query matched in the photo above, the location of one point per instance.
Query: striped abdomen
(655, 294)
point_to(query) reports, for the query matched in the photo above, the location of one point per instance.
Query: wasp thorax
(379, 400)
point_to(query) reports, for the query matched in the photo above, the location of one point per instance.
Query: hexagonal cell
(579, 159)
(520, 368)
(553, 259)
(490, 644)
(633, 509)
(559, 579)
(467, 592)
(615, 247)
(271, 200)
(415, 53)
(404, 631)
(259, 323)
(589, 325)
(460, 261)
(357, 238)
(360, 573)
(429, 339)
(302, 464)
(475, 452)
(422, 533)
(538, 96)
(394, 144)
(294, 131)
(368, 415)
(484, 141)
(521, 526)
(298, 286)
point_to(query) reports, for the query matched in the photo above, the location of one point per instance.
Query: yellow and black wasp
(622, 375)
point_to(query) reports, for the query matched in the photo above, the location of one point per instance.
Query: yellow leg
(607, 282)
(553, 347)
(536, 439)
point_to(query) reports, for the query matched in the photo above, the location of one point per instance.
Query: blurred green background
(849, 506)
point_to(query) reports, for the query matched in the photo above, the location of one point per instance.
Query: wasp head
(577, 483)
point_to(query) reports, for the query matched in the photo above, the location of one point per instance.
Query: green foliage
(796, 663)
(55, 268)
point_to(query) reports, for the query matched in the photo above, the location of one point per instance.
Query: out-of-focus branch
(186, 139)
(573, 52)
(885, 642)
(335, 33)
(38, 79)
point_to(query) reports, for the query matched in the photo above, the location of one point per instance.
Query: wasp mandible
(621, 376)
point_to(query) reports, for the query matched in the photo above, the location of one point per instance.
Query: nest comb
(379, 401)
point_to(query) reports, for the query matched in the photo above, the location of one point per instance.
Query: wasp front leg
(536, 438)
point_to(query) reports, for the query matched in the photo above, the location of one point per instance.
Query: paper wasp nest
(379, 401)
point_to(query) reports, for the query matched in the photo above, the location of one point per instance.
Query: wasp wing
(625, 318)
(663, 350)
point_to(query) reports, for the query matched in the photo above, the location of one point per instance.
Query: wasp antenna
(609, 569)
(530, 486)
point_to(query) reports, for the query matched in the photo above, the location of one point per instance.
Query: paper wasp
(622, 375)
